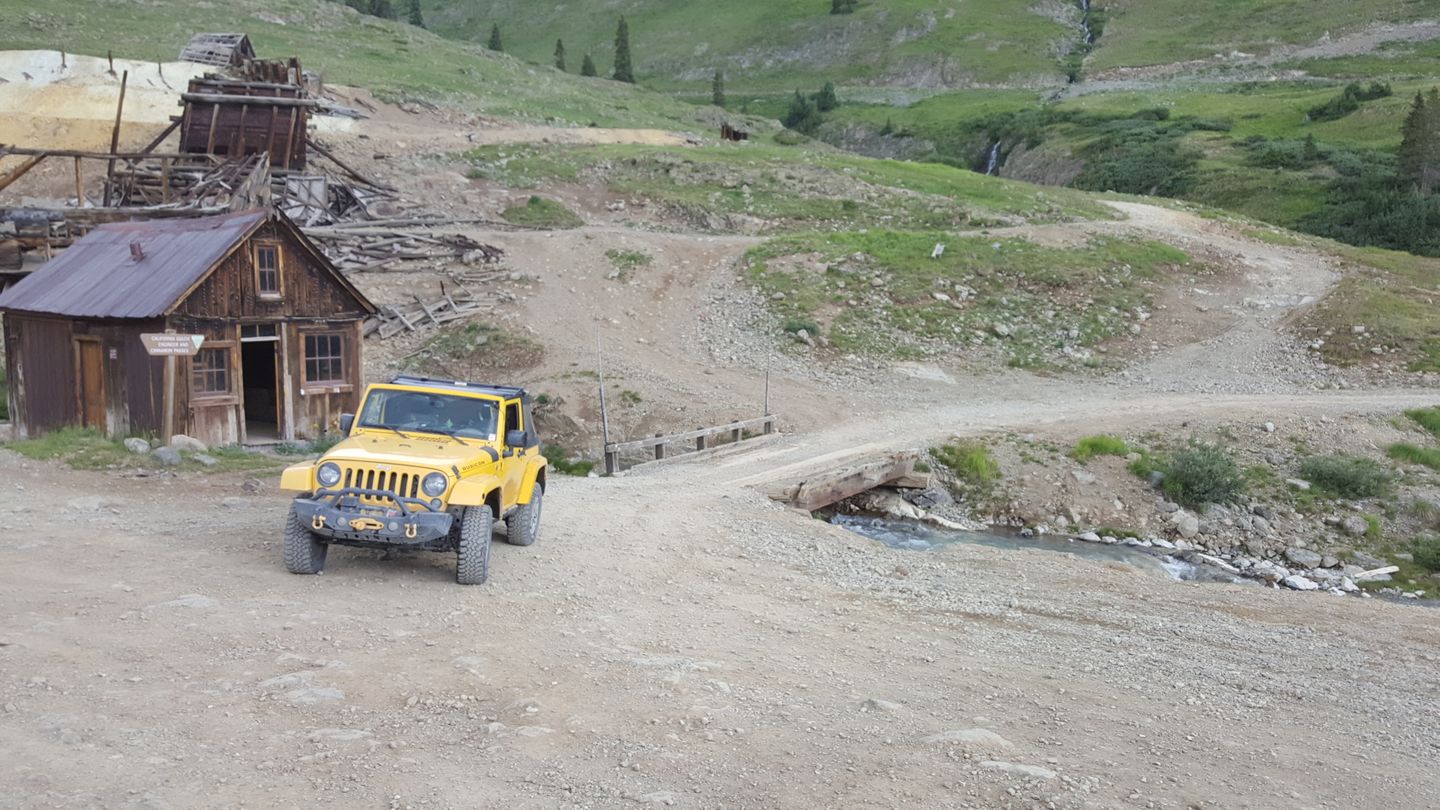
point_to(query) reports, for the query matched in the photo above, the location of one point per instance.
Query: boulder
(1186, 524)
(187, 444)
(168, 456)
(205, 460)
(1299, 583)
(1303, 557)
(1354, 525)
(1298, 483)
(137, 446)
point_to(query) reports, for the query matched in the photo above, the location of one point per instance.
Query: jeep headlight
(434, 484)
(328, 475)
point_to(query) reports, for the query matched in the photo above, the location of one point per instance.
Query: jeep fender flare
(477, 491)
(297, 478)
(534, 478)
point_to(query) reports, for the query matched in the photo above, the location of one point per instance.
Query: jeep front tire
(472, 563)
(523, 524)
(304, 553)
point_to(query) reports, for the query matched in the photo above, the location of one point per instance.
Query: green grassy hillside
(394, 59)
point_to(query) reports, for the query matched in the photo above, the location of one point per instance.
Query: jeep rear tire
(523, 524)
(472, 558)
(304, 553)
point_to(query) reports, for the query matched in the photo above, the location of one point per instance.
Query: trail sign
(170, 344)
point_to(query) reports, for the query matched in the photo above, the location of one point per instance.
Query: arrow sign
(169, 344)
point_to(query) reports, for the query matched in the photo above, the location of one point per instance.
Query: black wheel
(524, 522)
(472, 564)
(304, 553)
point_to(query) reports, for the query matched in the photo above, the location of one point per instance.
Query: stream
(993, 161)
(912, 536)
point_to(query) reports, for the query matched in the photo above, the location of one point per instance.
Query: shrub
(1411, 454)
(793, 326)
(1201, 474)
(970, 462)
(561, 462)
(789, 137)
(1428, 418)
(1346, 476)
(538, 212)
(1102, 445)
(1427, 553)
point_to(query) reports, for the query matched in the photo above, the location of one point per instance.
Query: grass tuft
(970, 462)
(1427, 553)
(1101, 445)
(539, 212)
(1413, 454)
(561, 462)
(1346, 476)
(1428, 418)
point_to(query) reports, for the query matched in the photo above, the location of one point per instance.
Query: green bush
(1411, 454)
(1101, 445)
(789, 137)
(970, 462)
(1201, 474)
(561, 462)
(538, 212)
(1427, 553)
(1346, 476)
(794, 326)
(1428, 418)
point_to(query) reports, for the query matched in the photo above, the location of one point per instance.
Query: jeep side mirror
(347, 421)
(515, 438)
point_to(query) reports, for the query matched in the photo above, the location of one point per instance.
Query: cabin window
(267, 270)
(325, 358)
(210, 373)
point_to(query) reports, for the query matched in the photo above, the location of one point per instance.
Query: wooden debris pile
(393, 320)
(383, 244)
(203, 182)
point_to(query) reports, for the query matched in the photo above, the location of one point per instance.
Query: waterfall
(1087, 36)
(993, 162)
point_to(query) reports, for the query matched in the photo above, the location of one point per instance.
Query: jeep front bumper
(341, 515)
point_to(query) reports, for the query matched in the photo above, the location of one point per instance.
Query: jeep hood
(415, 450)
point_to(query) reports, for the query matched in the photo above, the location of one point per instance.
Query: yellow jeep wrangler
(428, 464)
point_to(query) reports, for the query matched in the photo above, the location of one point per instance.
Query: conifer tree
(560, 55)
(802, 115)
(382, 9)
(1419, 159)
(587, 67)
(623, 70)
(495, 43)
(416, 18)
(717, 89)
(825, 100)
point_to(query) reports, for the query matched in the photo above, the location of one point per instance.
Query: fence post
(769, 424)
(612, 460)
(737, 433)
(699, 441)
(660, 447)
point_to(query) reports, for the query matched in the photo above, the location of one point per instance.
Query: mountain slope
(773, 44)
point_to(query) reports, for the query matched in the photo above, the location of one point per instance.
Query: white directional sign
(170, 344)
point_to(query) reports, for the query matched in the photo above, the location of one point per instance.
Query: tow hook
(410, 531)
(318, 522)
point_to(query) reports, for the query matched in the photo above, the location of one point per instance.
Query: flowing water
(912, 536)
(993, 162)
(1088, 36)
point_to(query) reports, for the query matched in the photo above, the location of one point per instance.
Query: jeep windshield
(428, 412)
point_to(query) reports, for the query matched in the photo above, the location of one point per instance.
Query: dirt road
(677, 639)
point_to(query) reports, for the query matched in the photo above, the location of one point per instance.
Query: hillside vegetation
(395, 60)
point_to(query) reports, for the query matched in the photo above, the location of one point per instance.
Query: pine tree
(623, 70)
(1419, 158)
(416, 18)
(495, 43)
(717, 89)
(587, 67)
(825, 100)
(382, 9)
(843, 6)
(889, 128)
(560, 55)
(802, 115)
(362, 6)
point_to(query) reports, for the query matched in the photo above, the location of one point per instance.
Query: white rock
(187, 444)
(1032, 771)
(1298, 483)
(1299, 583)
(1082, 476)
(971, 736)
(137, 446)
(1089, 537)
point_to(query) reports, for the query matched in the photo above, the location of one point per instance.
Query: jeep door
(513, 468)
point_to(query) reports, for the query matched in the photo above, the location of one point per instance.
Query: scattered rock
(1299, 583)
(878, 705)
(1355, 526)
(1187, 524)
(1082, 476)
(1032, 771)
(137, 446)
(1298, 483)
(1303, 557)
(253, 486)
(205, 460)
(971, 736)
(1000, 330)
(311, 695)
(168, 456)
(187, 444)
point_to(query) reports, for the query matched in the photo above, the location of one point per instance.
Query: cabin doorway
(260, 370)
(90, 384)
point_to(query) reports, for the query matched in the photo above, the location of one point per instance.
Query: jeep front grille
(406, 484)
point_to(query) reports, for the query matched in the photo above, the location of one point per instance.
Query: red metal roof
(100, 277)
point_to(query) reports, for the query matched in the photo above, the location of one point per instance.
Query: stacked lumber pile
(388, 244)
(393, 320)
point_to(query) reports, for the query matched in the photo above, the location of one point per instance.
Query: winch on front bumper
(356, 516)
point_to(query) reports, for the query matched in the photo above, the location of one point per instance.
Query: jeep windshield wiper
(452, 435)
(397, 431)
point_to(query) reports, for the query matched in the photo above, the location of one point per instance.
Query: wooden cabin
(220, 50)
(281, 327)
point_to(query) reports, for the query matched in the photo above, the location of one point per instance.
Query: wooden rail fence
(701, 437)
